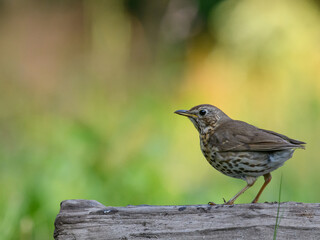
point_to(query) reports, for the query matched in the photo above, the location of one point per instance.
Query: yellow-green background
(88, 90)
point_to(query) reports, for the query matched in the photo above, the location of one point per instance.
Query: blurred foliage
(88, 91)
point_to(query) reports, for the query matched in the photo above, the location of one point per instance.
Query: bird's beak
(185, 113)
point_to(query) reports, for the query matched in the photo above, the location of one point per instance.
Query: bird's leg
(267, 179)
(250, 182)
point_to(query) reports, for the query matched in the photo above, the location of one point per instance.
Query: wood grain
(89, 219)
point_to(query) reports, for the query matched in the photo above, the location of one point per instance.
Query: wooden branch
(87, 219)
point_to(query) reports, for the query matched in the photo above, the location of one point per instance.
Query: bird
(238, 149)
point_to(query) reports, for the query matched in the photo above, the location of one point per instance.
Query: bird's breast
(207, 149)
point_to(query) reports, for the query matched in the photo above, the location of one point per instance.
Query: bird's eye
(203, 112)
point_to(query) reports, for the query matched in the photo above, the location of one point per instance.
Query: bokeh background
(88, 89)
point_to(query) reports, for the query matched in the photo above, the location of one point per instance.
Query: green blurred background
(88, 91)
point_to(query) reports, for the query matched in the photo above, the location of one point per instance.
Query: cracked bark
(88, 219)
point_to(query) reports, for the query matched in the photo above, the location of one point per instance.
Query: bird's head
(204, 116)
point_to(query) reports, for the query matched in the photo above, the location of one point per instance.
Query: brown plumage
(238, 149)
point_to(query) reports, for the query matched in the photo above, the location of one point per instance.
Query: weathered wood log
(87, 219)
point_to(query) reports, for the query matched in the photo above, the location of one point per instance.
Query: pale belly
(242, 164)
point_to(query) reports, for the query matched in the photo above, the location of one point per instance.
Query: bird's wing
(293, 141)
(235, 135)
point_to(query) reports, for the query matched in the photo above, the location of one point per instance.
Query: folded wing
(235, 135)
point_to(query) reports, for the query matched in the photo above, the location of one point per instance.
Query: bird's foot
(228, 203)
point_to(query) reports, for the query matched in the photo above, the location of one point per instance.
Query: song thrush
(238, 149)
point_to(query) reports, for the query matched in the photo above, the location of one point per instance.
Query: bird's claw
(227, 203)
